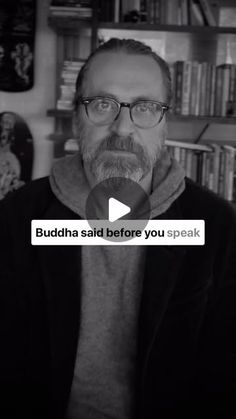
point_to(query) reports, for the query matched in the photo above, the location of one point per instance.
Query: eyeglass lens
(102, 111)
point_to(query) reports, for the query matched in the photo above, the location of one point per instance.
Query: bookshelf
(77, 37)
(166, 28)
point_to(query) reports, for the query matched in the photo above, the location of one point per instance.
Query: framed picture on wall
(16, 153)
(17, 39)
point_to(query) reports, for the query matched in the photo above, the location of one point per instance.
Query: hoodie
(111, 288)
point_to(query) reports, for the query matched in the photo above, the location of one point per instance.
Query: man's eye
(102, 105)
(144, 107)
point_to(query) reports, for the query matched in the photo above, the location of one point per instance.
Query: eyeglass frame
(87, 100)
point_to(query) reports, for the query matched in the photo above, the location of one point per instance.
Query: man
(118, 331)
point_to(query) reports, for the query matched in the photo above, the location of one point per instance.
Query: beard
(104, 162)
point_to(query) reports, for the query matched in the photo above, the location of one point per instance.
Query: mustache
(117, 143)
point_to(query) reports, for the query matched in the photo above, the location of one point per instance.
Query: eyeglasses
(143, 113)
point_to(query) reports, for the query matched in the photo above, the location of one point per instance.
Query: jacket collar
(60, 267)
(161, 272)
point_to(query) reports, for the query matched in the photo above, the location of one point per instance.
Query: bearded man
(122, 332)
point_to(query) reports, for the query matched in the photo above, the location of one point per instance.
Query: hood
(70, 186)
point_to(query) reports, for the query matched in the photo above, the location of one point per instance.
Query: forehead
(126, 76)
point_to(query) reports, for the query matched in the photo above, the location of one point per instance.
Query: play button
(117, 203)
(117, 210)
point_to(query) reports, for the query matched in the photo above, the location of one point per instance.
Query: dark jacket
(186, 362)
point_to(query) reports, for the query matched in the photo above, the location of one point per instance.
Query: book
(172, 12)
(130, 5)
(117, 11)
(202, 104)
(215, 165)
(208, 88)
(221, 174)
(212, 90)
(218, 91)
(189, 158)
(195, 14)
(229, 171)
(226, 69)
(182, 158)
(163, 12)
(194, 87)
(178, 85)
(184, 20)
(227, 15)
(186, 88)
(207, 11)
(232, 84)
(154, 11)
(198, 89)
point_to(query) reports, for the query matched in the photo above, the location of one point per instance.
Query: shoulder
(219, 215)
(32, 198)
(198, 202)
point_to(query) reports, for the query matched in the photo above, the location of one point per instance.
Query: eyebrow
(110, 95)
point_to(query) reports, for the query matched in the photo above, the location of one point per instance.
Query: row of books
(71, 8)
(213, 166)
(170, 12)
(70, 70)
(203, 88)
(199, 89)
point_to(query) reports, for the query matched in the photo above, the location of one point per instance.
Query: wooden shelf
(74, 22)
(59, 113)
(70, 24)
(210, 119)
(166, 28)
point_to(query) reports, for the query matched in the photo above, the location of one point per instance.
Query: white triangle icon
(116, 209)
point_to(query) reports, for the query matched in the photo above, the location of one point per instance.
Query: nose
(123, 125)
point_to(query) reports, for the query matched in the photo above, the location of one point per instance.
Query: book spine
(209, 16)
(198, 89)
(221, 174)
(183, 158)
(186, 87)
(202, 107)
(199, 167)
(203, 174)
(196, 17)
(172, 12)
(163, 12)
(218, 91)
(194, 167)
(184, 12)
(117, 11)
(208, 89)
(189, 155)
(207, 170)
(213, 89)
(225, 88)
(193, 90)
(210, 183)
(157, 11)
(178, 85)
(229, 175)
(177, 153)
(232, 85)
(216, 166)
